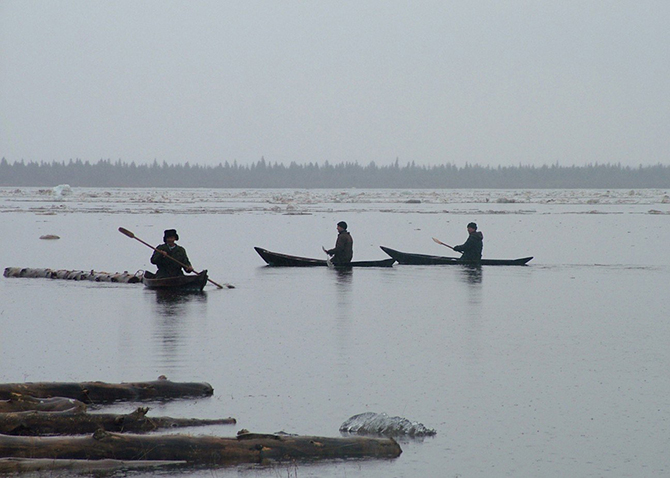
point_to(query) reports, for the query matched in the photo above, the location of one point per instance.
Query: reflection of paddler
(169, 257)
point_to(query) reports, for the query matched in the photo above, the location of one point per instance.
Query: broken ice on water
(371, 423)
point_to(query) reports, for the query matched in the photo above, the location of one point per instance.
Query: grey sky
(490, 82)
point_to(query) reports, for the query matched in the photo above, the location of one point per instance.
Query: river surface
(556, 369)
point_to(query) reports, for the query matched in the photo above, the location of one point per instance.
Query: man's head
(472, 227)
(170, 235)
(341, 226)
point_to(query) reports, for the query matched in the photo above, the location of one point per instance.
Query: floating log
(35, 423)
(24, 403)
(254, 448)
(101, 392)
(92, 275)
(23, 465)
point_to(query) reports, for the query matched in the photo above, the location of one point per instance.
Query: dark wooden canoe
(282, 260)
(184, 283)
(424, 259)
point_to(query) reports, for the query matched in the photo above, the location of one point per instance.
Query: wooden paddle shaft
(440, 242)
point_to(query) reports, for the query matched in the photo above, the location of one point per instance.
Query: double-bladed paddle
(440, 242)
(133, 236)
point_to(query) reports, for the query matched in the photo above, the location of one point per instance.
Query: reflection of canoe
(178, 283)
(424, 259)
(283, 260)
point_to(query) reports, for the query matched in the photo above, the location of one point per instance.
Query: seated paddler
(169, 257)
(472, 248)
(343, 251)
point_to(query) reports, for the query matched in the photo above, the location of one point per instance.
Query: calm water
(555, 369)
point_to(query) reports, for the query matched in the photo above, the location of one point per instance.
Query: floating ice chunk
(371, 423)
(62, 190)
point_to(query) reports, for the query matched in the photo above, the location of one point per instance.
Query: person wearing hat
(165, 253)
(472, 248)
(343, 251)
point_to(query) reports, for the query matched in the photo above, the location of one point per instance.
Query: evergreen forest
(262, 174)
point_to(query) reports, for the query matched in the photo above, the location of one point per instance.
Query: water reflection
(472, 274)
(344, 276)
(172, 312)
(343, 301)
(171, 303)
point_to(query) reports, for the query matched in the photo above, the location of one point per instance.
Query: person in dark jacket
(343, 251)
(472, 248)
(165, 253)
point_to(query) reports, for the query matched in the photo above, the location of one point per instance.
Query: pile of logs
(95, 276)
(46, 426)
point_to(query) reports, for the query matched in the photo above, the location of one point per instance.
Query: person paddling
(343, 251)
(472, 248)
(161, 256)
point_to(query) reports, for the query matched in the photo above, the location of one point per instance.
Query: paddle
(132, 236)
(329, 263)
(440, 242)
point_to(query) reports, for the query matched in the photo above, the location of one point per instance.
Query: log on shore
(101, 392)
(197, 450)
(35, 423)
(24, 403)
(24, 465)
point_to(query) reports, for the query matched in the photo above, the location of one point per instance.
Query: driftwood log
(23, 403)
(197, 450)
(101, 392)
(24, 465)
(35, 423)
(95, 276)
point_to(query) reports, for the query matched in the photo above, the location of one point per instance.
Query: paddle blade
(126, 232)
(442, 243)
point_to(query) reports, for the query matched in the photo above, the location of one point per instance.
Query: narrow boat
(283, 260)
(424, 259)
(186, 283)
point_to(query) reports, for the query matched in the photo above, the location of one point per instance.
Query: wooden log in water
(254, 448)
(25, 465)
(35, 423)
(92, 275)
(101, 392)
(24, 403)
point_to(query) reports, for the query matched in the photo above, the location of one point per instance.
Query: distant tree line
(262, 174)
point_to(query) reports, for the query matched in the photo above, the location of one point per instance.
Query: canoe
(424, 259)
(283, 260)
(186, 283)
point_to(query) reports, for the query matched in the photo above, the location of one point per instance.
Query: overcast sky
(487, 82)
